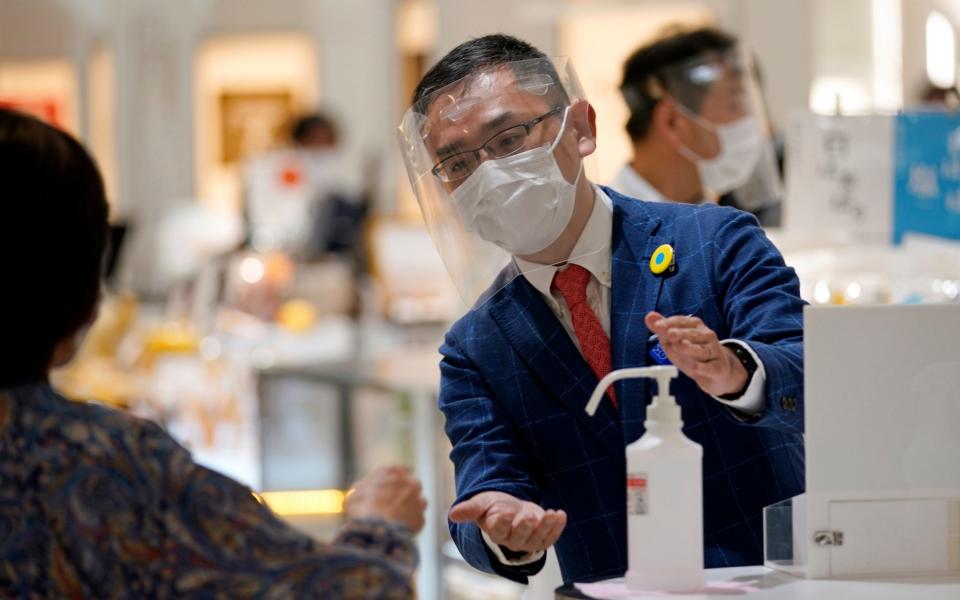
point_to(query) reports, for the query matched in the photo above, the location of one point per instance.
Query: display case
(882, 435)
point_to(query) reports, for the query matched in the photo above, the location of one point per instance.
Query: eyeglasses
(504, 143)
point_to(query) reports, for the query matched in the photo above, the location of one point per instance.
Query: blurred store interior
(274, 299)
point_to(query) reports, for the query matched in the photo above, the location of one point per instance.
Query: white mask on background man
(522, 202)
(741, 143)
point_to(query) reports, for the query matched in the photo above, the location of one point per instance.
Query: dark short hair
(304, 125)
(52, 245)
(646, 65)
(474, 56)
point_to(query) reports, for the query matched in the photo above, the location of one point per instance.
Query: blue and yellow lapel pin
(663, 263)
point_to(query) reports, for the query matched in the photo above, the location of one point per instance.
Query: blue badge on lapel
(656, 353)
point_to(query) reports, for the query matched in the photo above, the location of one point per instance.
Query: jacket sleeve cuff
(751, 402)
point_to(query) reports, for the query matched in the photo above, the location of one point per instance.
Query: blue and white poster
(927, 175)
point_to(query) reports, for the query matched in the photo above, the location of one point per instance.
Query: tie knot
(571, 283)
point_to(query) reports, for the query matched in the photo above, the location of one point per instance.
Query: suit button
(788, 403)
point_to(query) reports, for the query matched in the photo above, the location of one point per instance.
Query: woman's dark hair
(648, 62)
(52, 241)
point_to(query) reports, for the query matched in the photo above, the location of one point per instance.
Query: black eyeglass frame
(438, 170)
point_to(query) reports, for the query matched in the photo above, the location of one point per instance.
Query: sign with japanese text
(839, 174)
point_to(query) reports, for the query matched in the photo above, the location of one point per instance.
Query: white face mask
(522, 202)
(740, 145)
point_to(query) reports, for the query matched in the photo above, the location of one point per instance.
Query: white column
(426, 418)
(780, 34)
(359, 71)
(154, 48)
(533, 22)
(80, 57)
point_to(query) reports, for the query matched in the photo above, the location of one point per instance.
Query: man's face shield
(475, 147)
(727, 130)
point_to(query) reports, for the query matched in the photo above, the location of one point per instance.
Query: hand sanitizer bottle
(664, 492)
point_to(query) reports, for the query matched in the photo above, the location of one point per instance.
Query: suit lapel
(636, 234)
(544, 346)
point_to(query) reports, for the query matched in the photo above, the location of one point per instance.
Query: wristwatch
(746, 359)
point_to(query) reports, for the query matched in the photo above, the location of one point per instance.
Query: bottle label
(638, 503)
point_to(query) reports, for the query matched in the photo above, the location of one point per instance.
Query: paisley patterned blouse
(95, 503)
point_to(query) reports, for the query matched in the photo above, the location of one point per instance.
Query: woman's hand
(389, 493)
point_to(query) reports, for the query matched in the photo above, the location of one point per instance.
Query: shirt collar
(632, 184)
(591, 252)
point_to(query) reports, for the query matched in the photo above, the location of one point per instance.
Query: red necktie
(571, 284)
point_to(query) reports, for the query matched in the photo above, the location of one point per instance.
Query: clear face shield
(729, 140)
(494, 162)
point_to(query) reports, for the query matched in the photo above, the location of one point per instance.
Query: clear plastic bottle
(664, 492)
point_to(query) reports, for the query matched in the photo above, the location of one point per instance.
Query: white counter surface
(781, 586)
(774, 585)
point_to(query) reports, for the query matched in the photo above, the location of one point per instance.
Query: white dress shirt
(593, 253)
(629, 183)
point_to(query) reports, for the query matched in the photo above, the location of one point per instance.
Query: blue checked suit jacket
(514, 387)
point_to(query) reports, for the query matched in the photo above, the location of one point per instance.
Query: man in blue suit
(494, 146)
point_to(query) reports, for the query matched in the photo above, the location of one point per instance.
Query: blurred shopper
(95, 503)
(697, 126)
(317, 131)
(340, 207)
(301, 200)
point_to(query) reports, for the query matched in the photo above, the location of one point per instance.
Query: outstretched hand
(516, 524)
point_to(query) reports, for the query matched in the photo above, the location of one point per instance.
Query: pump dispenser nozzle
(664, 407)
